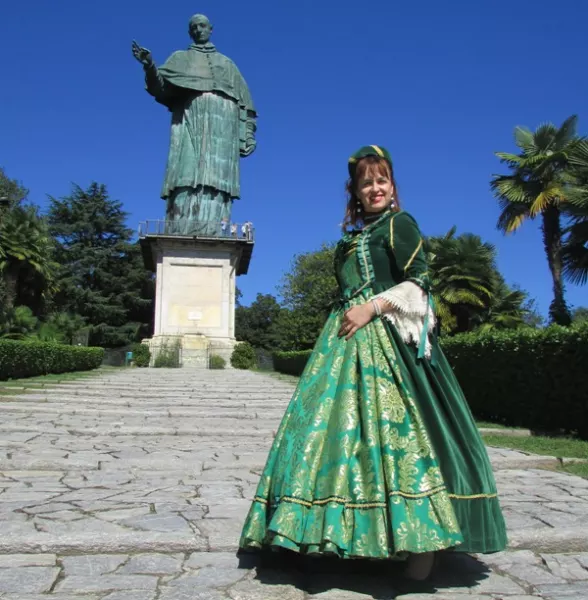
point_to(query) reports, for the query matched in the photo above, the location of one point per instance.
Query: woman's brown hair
(354, 212)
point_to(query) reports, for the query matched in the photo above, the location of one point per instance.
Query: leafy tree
(102, 277)
(256, 324)
(298, 329)
(60, 327)
(580, 314)
(542, 183)
(532, 317)
(17, 323)
(25, 254)
(308, 291)
(12, 193)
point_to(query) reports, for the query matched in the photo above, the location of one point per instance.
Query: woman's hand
(355, 318)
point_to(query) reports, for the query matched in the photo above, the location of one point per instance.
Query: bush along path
(533, 378)
(133, 485)
(29, 358)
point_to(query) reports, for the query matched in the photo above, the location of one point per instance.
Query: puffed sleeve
(407, 305)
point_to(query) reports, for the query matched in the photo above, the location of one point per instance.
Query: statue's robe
(213, 121)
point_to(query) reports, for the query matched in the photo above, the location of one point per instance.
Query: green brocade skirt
(377, 455)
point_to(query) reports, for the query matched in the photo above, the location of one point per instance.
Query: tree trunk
(558, 310)
(11, 282)
(462, 317)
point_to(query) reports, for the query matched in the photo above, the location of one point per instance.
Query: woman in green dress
(378, 455)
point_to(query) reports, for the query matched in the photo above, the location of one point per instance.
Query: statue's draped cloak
(212, 117)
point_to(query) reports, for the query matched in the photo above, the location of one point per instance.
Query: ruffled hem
(389, 531)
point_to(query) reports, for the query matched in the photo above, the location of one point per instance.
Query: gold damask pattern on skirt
(352, 470)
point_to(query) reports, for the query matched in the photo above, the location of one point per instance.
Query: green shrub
(217, 362)
(535, 378)
(168, 355)
(141, 355)
(243, 356)
(29, 358)
(527, 377)
(291, 363)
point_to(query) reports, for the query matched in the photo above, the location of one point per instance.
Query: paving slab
(133, 485)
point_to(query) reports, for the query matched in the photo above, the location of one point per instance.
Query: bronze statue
(213, 125)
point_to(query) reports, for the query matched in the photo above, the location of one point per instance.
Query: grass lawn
(581, 469)
(561, 447)
(42, 380)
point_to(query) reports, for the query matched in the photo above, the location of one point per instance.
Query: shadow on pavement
(382, 580)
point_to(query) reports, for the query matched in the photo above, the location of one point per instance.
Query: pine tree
(101, 277)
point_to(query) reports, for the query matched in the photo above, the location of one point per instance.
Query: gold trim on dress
(347, 504)
(392, 230)
(473, 496)
(410, 260)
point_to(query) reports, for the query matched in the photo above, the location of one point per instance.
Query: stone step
(115, 431)
(128, 410)
(154, 395)
(234, 402)
(176, 387)
(92, 543)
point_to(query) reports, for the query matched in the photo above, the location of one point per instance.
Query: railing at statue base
(197, 229)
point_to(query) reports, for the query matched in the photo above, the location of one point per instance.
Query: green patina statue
(213, 125)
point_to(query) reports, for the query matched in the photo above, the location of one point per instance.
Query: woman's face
(375, 190)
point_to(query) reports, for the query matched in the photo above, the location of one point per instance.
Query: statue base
(194, 296)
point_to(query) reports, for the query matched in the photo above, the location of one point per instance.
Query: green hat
(378, 151)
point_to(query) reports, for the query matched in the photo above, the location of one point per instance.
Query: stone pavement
(133, 485)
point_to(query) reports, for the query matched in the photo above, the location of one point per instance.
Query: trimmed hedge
(291, 363)
(529, 378)
(27, 359)
(535, 378)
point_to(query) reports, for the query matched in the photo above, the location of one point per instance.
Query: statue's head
(200, 29)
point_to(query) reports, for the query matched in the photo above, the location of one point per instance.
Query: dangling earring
(358, 206)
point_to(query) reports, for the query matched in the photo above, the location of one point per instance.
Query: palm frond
(523, 138)
(512, 216)
(567, 132)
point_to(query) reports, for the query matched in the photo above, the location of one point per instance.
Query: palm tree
(25, 245)
(541, 183)
(17, 323)
(462, 270)
(506, 310)
(575, 251)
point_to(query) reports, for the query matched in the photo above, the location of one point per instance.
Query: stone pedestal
(195, 293)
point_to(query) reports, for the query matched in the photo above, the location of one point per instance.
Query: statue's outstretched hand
(142, 55)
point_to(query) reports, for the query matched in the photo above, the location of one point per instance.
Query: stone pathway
(133, 485)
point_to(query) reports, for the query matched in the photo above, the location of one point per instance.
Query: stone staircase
(141, 479)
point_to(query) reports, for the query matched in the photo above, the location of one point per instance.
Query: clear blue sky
(441, 84)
